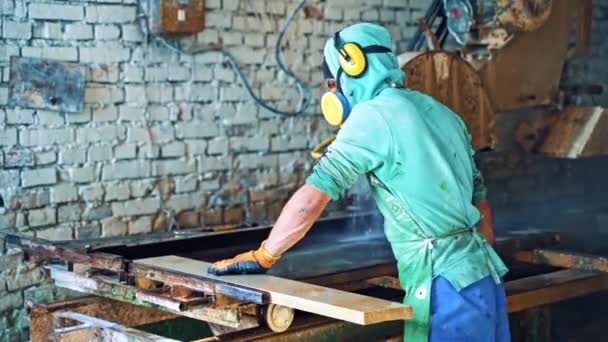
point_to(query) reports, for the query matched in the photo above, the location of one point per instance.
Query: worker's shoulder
(380, 107)
(417, 105)
(403, 100)
(369, 114)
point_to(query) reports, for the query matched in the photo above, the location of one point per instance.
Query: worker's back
(421, 173)
(417, 155)
(431, 171)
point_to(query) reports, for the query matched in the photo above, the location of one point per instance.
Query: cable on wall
(303, 88)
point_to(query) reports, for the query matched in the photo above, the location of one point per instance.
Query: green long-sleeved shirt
(418, 158)
(419, 161)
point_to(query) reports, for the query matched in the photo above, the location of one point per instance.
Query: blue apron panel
(476, 313)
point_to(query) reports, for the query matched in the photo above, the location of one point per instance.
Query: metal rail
(522, 294)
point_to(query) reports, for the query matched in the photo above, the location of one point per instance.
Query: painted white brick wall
(136, 207)
(106, 54)
(85, 174)
(140, 225)
(55, 11)
(107, 32)
(47, 30)
(45, 176)
(91, 193)
(126, 170)
(78, 31)
(64, 193)
(110, 14)
(16, 30)
(72, 155)
(42, 217)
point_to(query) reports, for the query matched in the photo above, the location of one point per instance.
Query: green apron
(420, 255)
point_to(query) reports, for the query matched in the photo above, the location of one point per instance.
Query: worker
(418, 158)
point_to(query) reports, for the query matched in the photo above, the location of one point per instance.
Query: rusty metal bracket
(431, 38)
(42, 319)
(41, 250)
(209, 287)
(106, 288)
(80, 327)
(584, 19)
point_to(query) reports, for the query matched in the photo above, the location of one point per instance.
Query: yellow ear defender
(335, 107)
(352, 59)
(334, 104)
(353, 62)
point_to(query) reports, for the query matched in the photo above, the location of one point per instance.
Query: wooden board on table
(316, 299)
(548, 288)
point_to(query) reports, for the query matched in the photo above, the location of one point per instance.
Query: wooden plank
(534, 291)
(576, 132)
(563, 259)
(542, 289)
(316, 299)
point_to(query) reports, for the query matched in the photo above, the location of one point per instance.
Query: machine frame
(127, 294)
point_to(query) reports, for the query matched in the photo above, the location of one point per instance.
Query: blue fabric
(476, 313)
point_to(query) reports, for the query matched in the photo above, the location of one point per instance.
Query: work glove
(258, 261)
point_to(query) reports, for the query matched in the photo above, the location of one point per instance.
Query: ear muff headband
(338, 84)
(376, 49)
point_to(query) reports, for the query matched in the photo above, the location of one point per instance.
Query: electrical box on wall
(175, 16)
(182, 16)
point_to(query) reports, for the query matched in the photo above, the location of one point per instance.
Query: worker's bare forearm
(487, 227)
(298, 215)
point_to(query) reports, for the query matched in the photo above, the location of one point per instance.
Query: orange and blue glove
(258, 261)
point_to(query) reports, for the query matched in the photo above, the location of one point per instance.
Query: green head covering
(381, 68)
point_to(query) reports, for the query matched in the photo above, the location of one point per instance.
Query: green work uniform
(418, 158)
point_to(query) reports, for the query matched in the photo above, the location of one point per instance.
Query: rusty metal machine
(509, 57)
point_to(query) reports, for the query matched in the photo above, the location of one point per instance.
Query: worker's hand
(258, 261)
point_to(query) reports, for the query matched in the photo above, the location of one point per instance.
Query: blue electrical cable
(303, 88)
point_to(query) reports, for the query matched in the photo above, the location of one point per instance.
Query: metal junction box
(175, 17)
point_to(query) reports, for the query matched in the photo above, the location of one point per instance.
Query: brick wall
(161, 133)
